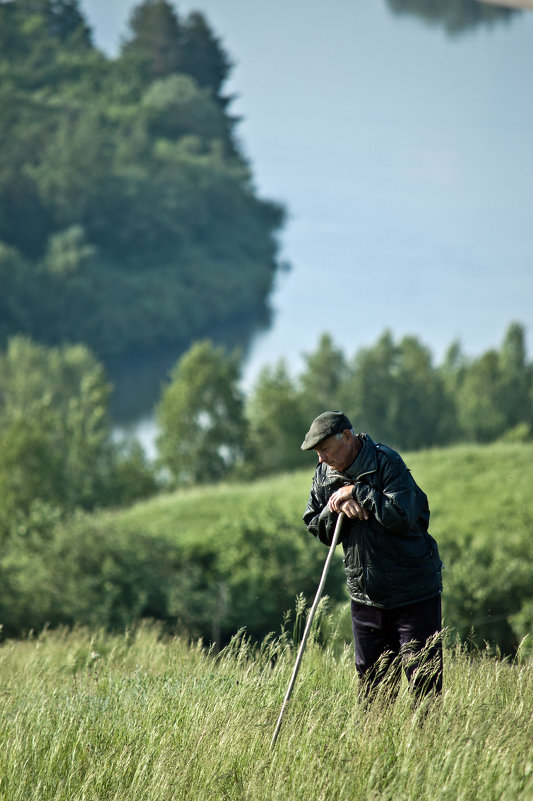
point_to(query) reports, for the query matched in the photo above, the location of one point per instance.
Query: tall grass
(95, 716)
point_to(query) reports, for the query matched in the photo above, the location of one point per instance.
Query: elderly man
(392, 564)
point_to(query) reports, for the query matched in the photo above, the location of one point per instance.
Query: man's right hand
(354, 510)
(342, 501)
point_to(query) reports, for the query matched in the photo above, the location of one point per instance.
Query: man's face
(337, 453)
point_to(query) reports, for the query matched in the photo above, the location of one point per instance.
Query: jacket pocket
(355, 580)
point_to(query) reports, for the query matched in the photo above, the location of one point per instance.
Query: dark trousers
(388, 639)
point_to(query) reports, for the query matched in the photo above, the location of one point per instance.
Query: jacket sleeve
(394, 498)
(319, 520)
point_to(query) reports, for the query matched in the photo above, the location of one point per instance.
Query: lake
(400, 143)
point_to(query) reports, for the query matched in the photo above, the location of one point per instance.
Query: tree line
(391, 389)
(58, 453)
(128, 212)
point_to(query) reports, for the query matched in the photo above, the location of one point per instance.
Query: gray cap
(325, 425)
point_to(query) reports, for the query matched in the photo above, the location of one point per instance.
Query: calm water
(403, 154)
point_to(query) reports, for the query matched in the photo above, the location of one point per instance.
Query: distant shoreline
(525, 4)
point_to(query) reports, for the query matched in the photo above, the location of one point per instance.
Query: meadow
(142, 716)
(118, 706)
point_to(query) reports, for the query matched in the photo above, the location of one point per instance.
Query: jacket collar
(365, 461)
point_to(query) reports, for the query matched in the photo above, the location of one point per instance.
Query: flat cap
(325, 425)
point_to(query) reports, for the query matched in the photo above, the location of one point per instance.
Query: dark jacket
(390, 560)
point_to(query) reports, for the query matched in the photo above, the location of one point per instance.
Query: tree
(56, 448)
(55, 428)
(155, 37)
(175, 107)
(203, 56)
(32, 469)
(121, 179)
(479, 401)
(420, 412)
(398, 396)
(278, 422)
(452, 372)
(35, 36)
(63, 18)
(516, 378)
(323, 380)
(68, 251)
(455, 17)
(203, 431)
(14, 278)
(493, 393)
(371, 387)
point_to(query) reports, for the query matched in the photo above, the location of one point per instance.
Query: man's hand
(342, 501)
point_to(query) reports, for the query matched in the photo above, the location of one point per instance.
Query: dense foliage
(236, 556)
(201, 414)
(128, 215)
(56, 449)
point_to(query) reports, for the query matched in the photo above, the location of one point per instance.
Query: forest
(392, 389)
(128, 213)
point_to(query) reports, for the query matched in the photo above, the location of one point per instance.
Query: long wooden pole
(308, 626)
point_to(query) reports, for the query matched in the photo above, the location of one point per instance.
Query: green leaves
(454, 17)
(201, 417)
(155, 38)
(68, 251)
(55, 437)
(276, 412)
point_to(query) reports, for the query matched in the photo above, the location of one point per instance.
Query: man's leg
(418, 627)
(377, 649)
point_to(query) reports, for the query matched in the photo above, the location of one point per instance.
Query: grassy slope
(191, 512)
(480, 496)
(477, 491)
(473, 490)
(482, 517)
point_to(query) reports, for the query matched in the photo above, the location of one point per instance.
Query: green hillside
(474, 490)
(215, 559)
(482, 517)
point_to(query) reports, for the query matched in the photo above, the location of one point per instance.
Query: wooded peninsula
(128, 213)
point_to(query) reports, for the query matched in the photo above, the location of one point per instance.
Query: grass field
(89, 717)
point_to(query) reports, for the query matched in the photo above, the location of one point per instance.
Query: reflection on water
(455, 18)
(145, 431)
(138, 378)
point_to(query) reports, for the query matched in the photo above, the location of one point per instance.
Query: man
(392, 564)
